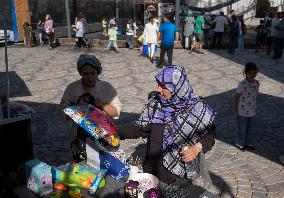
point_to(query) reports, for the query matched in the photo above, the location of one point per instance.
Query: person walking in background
(150, 37)
(234, 33)
(130, 34)
(168, 36)
(244, 107)
(104, 26)
(269, 38)
(83, 19)
(189, 29)
(112, 38)
(27, 34)
(112, 22)
(230, 15)
(279, 39)
(49, 29)
(135, 28)
(199, 33)
(274, 23)
(242, 31)
(80, 33)
(40, 31)
(260, 36)
(220, 22)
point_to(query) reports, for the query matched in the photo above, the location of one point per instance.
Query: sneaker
(241, 147)
(160, 66)
(249, 147)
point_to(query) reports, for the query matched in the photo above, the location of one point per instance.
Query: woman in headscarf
(179, 126)
(89, 90)
(188, 28)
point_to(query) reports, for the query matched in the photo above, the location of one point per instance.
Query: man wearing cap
(104, 95)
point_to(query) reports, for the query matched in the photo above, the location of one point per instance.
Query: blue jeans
(245, 130)
(241, 43)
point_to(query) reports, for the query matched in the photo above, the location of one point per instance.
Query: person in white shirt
(150, 37)
(135, 28)
(130, 34)
(80, 41)
(220, 22)
(112, 22)
(245, 107)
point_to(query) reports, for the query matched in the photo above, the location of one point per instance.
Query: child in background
(244, 107)
(27, 34)
(260, 36)
(112, 40)
(135, 28)
(104, 26)
(40, 31)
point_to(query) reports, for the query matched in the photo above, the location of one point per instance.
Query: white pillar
(116, 9)
(67, 14)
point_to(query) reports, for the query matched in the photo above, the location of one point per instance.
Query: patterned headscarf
(187, 119)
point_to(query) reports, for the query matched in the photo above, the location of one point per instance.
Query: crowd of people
(197, 31)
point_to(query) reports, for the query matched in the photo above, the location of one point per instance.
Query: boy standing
(244, 107)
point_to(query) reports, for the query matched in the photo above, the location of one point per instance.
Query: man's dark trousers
(219, 36)
(169, 51)
(278, 47)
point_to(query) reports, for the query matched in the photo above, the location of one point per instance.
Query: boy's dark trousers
(169, 51)
(219, 36)
(278, 47)
(81, 42)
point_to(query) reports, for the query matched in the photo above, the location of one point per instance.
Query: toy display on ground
(107, 172)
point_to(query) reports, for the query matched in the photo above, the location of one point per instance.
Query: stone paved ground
(39, 77)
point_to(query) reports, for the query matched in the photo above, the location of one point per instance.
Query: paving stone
(245, 189)
(241, 194)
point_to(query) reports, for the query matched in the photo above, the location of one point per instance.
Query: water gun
(77, 176)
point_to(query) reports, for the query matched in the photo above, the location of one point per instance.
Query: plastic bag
(203, 179)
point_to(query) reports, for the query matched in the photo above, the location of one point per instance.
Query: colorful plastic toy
(60, 186)
(39, 177)
(76, 176)
(75, 193)
(95, 122)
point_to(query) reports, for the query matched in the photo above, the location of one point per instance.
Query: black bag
(78, 146)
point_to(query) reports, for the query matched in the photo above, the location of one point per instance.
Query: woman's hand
(189, 153)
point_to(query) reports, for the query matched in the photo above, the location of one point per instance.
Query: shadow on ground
(267, 67)
(17, 89)
(269, 123)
